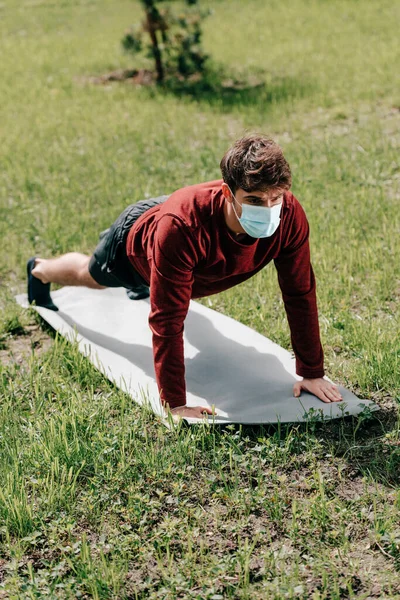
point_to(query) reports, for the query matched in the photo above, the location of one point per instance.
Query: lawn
(97, 498)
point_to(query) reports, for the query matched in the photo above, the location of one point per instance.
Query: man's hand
(192, 411)
(323, 389)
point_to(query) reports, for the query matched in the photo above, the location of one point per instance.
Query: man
(201, 240)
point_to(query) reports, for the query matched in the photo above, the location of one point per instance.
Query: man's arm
(173, 259)
(297, 282)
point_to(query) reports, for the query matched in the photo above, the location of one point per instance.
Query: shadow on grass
(371, 447)
(227, 92)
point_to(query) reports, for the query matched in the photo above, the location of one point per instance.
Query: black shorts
(109, 265)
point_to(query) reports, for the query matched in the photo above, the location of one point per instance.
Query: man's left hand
(323, 389)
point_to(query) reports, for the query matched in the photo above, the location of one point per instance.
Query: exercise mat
(245, 375)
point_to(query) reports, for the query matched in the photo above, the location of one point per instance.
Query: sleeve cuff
(173, 404)
(310, 373)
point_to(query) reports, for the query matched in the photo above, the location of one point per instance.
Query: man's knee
(85, 278)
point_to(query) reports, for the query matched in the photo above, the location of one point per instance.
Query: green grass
(97, 498)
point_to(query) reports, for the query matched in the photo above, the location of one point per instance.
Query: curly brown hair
(255, 162)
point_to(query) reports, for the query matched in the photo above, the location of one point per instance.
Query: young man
(201, 240)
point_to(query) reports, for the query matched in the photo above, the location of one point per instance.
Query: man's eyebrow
(258, 197)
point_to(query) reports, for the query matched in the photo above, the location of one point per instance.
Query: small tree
(173, 40)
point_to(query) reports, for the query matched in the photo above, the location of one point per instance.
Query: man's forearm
(169, 369)
(304, 331)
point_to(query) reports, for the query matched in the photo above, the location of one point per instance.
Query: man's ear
(226, 192)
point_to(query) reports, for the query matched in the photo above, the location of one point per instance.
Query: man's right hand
(196, 412)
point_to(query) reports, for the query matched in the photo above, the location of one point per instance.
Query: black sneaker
(139, 292)
(38, 292)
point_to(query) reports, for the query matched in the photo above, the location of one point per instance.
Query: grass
(97, 498)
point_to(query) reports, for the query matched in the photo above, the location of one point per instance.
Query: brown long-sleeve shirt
(184, 249)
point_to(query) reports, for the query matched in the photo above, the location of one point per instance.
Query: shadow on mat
(259, 377)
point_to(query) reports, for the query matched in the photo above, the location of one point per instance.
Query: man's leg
(69, 269)
(96, 272)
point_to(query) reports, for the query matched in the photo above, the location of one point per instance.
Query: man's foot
(38, 292)
(140, 292)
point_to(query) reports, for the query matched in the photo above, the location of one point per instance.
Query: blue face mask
(259, 221)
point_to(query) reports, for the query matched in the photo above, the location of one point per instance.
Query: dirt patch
(132, 76)
(18, 349)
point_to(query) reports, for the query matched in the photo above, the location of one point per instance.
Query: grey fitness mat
(245, 375)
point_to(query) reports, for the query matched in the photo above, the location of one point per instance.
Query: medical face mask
(259, 221)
